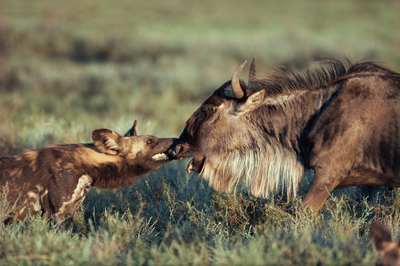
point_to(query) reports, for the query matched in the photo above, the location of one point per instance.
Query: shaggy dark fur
(342, 123)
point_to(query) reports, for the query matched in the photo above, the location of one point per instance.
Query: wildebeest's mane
(284, 80)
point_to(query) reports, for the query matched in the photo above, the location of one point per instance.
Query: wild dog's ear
(108, 141)
(254, 101)
(132, 131)
(381, 235)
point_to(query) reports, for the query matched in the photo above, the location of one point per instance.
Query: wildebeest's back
(358, 130)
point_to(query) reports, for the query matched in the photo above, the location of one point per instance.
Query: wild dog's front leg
(71, 193)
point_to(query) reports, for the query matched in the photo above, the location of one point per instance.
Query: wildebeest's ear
(381, 235)
(253, 101)
(108, 141)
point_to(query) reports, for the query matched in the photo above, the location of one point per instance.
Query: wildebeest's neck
(285, 117)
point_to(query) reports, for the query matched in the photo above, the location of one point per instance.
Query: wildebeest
(55, 180)
(389, 250)
(342, 123)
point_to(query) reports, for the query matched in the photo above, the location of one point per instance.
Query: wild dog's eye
(149, 141)
(211, 109)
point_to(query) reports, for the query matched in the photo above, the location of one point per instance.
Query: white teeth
(190, 167)
(160, 157)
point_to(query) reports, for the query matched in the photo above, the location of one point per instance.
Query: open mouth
(160, 157)
(195, 165)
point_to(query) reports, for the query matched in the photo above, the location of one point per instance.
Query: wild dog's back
(26, 178)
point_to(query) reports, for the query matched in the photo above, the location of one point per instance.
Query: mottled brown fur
(54, 180)
(342, 123)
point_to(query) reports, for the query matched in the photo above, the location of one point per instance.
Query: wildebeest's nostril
(175, 150)
(178, 149)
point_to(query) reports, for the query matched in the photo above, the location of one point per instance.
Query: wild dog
(389, 251)
(53, 181)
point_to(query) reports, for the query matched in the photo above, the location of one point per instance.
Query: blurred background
(68, 67)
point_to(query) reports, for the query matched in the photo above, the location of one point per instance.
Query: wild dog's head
(147, 152)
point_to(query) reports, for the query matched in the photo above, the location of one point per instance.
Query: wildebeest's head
(148, 152)
(226, 141)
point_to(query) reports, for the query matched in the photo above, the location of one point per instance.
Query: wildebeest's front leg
(336, 143)
(333, 160)
(323, 184)
(331, 167)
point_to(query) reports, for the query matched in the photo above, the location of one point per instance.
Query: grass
(170, 218)
(67, 68)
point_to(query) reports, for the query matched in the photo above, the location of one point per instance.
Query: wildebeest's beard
(259, 160)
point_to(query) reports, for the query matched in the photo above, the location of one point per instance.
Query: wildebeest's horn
(252, 72)
(237, 90)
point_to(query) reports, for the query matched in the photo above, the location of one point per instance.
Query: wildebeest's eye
(149, 141)
(211, 109)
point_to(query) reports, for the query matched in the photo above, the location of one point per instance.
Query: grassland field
(69, 67)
